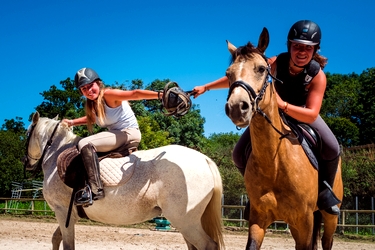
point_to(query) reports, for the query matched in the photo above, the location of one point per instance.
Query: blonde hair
(95, 108)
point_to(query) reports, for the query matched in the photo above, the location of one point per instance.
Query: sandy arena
(31, 234)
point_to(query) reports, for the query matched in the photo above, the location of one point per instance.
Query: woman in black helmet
(300, 96)
(107, 108)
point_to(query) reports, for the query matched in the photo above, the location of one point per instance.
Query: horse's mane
(246, 52)
(64, 130)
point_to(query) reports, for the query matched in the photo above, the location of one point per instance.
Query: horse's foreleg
(56, 239)
(330, 225)
(302, 232)
(189, 245)
(67, 233)
(255, 237)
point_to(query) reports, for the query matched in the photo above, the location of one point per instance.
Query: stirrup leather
(83, 197)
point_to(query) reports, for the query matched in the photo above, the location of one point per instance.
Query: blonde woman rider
(108, 108)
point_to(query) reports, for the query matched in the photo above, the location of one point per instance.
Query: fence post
(372, 214)
(356, 214)
(343, 222)
(222, 203)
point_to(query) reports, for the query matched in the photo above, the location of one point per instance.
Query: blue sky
(44, 42)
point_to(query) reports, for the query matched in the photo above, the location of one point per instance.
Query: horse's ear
(35, 117)
(231, 47)
(264, 40)
(56, 117)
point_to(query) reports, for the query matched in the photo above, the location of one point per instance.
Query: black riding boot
(327, 200)
(91, 163)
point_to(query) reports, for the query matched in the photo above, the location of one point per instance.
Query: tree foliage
(341, 108)
(347, 108)
(367, 100)
(359, 171)
(219, 148)
(12, 150)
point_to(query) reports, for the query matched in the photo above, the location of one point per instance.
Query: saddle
(307, 136)
(71, 169)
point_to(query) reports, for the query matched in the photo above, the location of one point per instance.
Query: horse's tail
(211, 218)
(316, 230)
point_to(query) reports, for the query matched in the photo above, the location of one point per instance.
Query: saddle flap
(308, 138)
(309, 134)
(70, 168)
(115, 168)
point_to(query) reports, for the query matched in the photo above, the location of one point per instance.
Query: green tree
(219, 148)
(367, 100)
(65, 102)
(152, 135)
(12, 150)
(341, 107)
(359, 172)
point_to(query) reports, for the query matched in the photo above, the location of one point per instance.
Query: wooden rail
(343, 215)
(242, 222)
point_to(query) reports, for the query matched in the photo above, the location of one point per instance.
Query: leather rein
(256, 98)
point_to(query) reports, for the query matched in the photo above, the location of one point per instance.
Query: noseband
(256, 98)
(26, 162)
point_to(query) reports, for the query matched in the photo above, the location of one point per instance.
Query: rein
(36, 169)
(256, 98)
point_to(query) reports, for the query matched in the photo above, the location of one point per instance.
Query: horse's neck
(62, 140)
(263, 129)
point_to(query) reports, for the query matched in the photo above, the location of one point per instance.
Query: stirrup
(83, 197)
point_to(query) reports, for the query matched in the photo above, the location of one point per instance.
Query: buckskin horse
(180, 183)
(280, 180)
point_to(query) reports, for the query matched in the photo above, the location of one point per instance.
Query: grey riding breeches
(110, 140)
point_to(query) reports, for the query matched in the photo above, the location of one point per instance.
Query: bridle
(38, 166)
(256, 98)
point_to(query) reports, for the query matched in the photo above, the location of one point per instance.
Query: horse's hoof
(334, 210)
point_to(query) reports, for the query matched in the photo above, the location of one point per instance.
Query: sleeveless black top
(293, 89)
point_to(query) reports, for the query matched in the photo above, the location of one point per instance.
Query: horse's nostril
(226, 109)
(244, 106)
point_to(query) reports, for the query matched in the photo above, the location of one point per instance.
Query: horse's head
(39, 135)
(248, 74)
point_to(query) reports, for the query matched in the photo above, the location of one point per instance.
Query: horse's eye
(261, 69)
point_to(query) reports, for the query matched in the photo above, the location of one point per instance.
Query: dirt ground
(35, 234)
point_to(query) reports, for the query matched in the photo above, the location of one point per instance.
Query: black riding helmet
(85, 76)
(305, 32)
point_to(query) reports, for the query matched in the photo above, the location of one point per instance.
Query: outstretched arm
(114, 97)
(220, 83)
(76, 122)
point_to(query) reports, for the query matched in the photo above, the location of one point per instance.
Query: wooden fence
(10, 208)
(342, 225)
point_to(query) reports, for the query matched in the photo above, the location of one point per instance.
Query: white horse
(180, 183)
